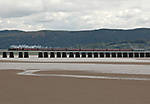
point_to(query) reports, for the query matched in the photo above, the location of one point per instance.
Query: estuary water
(100, 68)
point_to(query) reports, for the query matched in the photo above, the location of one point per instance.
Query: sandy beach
(43, 83)
(17, 89)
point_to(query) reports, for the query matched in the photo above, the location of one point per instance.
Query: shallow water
(30, 68)
(102, 68)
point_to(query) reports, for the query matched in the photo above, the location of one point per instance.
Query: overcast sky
(32, 15)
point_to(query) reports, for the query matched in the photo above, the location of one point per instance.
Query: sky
(33, 15)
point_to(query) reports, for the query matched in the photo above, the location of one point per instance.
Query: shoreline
(71, 62)
(73, 72)
(86, 75)
(80, 74)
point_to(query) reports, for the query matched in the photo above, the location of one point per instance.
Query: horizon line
(73, 30)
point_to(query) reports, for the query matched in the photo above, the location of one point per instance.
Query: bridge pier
(90, 55)
(11, 55)
(131, 55)
(77, 55)
(40, 55)
(20, 55)
(125, 55)
(4, 55)
(45, 54)
(142, 55)
(26, 55)
(119, 55)
(113, 55)
(102, 55)
(64, 55)
(52, 55)
(96, 55)
(107, 55)
(83, 55)
(58, 54)
(71, 55)
(136, 55)
(147, 54)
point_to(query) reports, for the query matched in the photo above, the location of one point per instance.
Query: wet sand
(92, 73)
(15, 89)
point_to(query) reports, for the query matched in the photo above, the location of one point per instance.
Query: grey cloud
(73, 14)
(18, 8)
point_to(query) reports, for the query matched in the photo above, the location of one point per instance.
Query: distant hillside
(102, 38)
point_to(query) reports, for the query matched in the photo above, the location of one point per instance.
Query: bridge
(75, 54)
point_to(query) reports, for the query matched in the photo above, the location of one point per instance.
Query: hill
(102, 38)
